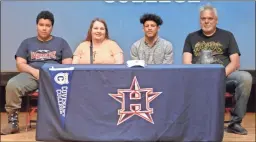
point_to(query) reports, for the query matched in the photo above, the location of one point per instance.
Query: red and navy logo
(135, 101)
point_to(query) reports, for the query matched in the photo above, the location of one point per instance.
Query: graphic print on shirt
(43, 55)
(215, 47)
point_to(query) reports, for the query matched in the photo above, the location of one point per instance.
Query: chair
(31, 109)
(229, 104)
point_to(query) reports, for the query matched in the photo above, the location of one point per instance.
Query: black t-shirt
(222, 43)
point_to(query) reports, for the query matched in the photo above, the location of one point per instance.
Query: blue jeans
(239, 83)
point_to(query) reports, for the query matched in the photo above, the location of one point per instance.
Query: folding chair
(31, 109)
(229, 104)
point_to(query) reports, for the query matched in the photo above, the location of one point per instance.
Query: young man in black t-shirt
(224, 47)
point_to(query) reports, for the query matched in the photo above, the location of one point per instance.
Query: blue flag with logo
(61, 78)
(115, 103)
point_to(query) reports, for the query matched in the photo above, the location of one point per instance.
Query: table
(117, 103)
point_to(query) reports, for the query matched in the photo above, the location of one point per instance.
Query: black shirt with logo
(222, 44)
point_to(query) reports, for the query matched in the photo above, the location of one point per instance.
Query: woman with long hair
(98, 48)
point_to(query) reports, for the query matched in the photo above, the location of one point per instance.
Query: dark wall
(5, 76)
(251, 106)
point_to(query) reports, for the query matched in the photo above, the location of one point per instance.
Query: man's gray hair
(209, 7)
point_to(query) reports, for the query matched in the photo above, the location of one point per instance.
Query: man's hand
(35, 73)
(22, 66)
(233, 65)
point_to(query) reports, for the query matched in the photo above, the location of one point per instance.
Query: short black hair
(45, 15)
(151, 17)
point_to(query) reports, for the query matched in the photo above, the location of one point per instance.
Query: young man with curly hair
(152, 48)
